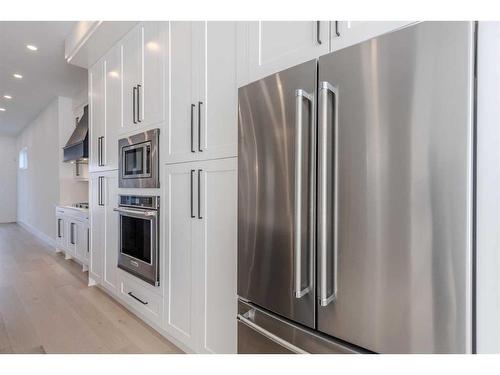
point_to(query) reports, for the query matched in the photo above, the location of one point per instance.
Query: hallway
(46, 306)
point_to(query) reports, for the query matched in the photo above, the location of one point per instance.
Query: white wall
(488, 189)
(8, 179)
(48, 181)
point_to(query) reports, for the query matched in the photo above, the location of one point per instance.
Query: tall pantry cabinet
(200, 174)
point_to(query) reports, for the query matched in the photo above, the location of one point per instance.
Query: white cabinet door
(152, 92)
(143, 52)
(182, 294)
(97, 227)
(215, 43)
(180, 144)
(348, 33)
(110, 268)
(278, 45)
(72, 228)
(200, 232)
(113, 113)
(203, 91)
(97, 112)
(61, 241)
(82, 242)
(132, 75)
(217, 244)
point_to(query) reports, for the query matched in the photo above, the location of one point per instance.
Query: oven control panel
(140, 201)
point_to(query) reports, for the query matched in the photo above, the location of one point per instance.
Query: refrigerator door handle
(300, 95)
(326, 296)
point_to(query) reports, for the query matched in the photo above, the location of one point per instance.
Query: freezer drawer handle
(271, 336)
(324, 89)
(300, 95)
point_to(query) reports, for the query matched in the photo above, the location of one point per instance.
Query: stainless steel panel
(404, 190)
(260, 332)
(150, 180)
(270, 113)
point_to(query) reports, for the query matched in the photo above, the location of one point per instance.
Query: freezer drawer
(251, 341)
(260, 332)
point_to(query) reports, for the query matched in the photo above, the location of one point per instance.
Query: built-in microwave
(139, 160)
(138, 236)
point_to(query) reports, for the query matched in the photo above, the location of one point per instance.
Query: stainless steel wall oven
(139, 232)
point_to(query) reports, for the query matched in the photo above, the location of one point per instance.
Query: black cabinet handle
(318, 32)
(192, 178)
(337, 28)
(199, 194)
(100, 199)
(88, 240)
(192, 124)
(59, 228)
(100, 142)
(99, 151)
(72, 233)
(139, 103)
(134, 95)
(199, 126)
(137, 299)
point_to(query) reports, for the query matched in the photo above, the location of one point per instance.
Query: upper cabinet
(143, 68)
(276, 45)
(348, 33)
(267, 47)
(203, 91)
(105, 111)
(97, 111)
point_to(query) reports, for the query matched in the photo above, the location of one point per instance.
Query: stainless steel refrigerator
(355, 216)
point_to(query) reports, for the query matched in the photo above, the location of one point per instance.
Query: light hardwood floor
(46, 306)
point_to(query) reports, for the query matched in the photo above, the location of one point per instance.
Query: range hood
(77, 147)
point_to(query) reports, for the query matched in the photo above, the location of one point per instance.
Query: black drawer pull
(138, 299)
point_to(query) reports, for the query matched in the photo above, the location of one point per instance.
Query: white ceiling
(46, 74)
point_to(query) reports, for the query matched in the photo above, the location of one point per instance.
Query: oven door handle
(136, 212)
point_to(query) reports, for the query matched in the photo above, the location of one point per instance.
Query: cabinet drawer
(146, 303)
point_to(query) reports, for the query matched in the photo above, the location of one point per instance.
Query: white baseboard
(37, 233)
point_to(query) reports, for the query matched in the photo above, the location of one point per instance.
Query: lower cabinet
(141, 298)
(72, 235)
(61, 242)
(201, 234)
(104, 229)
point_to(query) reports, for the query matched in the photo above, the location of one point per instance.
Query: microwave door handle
(300, 96)
(325, 279)
(145, 159)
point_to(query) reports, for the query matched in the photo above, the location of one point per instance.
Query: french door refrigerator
(355, 215)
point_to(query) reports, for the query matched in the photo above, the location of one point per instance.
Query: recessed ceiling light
(7, 97)
(17, 75)
(2, 109)
(31, 47)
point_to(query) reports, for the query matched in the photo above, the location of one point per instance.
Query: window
(23, 158)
